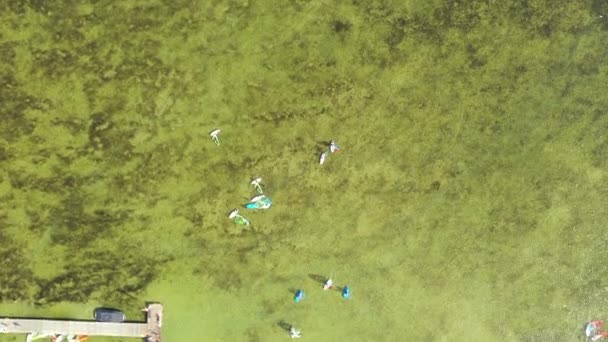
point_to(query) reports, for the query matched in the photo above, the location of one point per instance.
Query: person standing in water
(215, 136)
(333, 147)
(328, 285)
(257, 185)
(593, 330)
(294, 333)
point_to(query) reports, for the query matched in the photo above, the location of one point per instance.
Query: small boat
(259, 202)
(299, 295)
(239, 219)
(346, 292)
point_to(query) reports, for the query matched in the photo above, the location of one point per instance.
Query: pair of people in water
(593, 331)
(329, 285)
(333, 148)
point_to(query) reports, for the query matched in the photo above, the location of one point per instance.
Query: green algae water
(468, 202)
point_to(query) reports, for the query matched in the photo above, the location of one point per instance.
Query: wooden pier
(150, 331)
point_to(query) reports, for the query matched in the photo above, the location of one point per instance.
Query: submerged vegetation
(468, 203)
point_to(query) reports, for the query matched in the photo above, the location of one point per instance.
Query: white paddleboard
(322, 158)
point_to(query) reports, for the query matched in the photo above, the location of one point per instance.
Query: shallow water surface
(467, 202)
